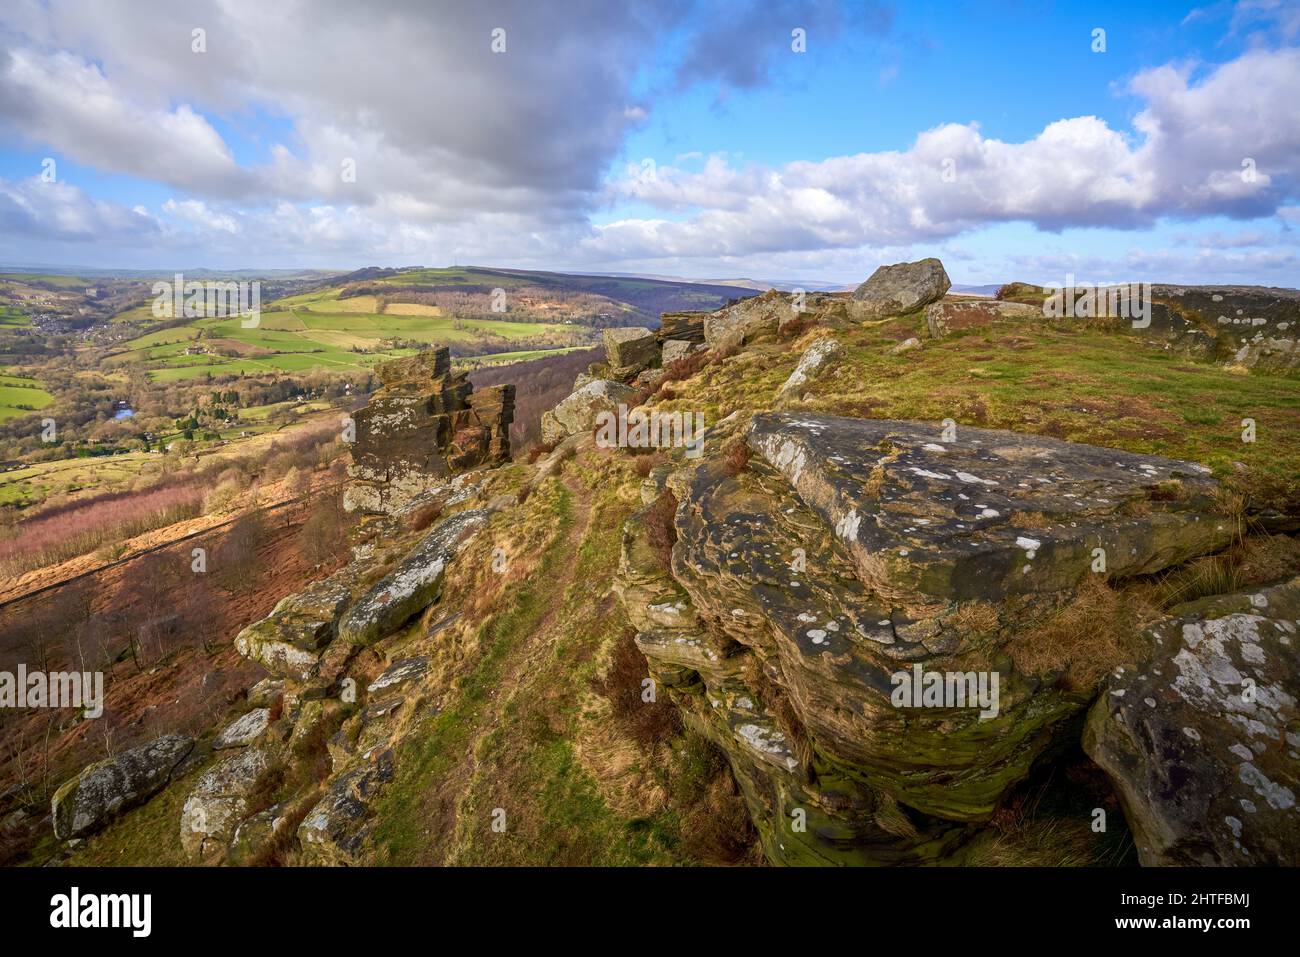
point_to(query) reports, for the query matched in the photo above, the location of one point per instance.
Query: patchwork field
(20, 396)
(321, 331)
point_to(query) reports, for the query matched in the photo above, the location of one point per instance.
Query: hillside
(349, 323)
(686, 648)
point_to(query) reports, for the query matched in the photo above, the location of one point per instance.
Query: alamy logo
(207, 300)
(1125, 300)
(946, 689)
(651, 430)
(53, 689)
(103, 910)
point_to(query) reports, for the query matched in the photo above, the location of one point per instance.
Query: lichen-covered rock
(422, 426)
(107, 788)
(1202, 738)
(747, 320)
(629, 349)
(399, 674)
(253, 834)
(578, 412)
(335, 830)
(219, 801)
(898, 289)
(675, 349)
(818, 358)
(945, 318)
(848, 552)
(413, 585)
(243, 730)
(289, 641)
(265, 692)
(681, 326)
(991, 513)
(1246, 325)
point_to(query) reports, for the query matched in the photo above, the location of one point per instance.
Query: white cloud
(1076, 172)
(60, 211)
(61, 100)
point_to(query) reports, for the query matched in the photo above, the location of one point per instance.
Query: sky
(782, 141)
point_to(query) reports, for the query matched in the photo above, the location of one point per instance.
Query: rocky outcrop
(422, 426)
(244, 730)
(289, 641)
(107, 788)
(817, 359)
(578, 412)
(681, 326)
(413, 585)
(852, 552)
(899, 289)
(1251, 326)
(944, 318)
(748, 319)
(1202, 738)
(629, 350)
(1246, 325)
(334, 831)
(219, 801)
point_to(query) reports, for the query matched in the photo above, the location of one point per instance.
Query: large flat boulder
(413, 585)
(992, 513)
(1202, 738)
(899, 289)
(848, 552)
(105, 789)
(578, 412)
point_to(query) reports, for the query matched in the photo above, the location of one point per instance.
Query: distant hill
(348, 322)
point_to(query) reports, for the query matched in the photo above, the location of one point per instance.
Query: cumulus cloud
(411, 94)
(460, 152)
(1214, 146)
(61, 100)
(60, 211)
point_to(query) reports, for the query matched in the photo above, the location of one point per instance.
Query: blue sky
(669, 138)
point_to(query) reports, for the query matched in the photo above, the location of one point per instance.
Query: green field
(320, 331)
(10, 316)
(17, 391)
(35, 483)
(62, 282)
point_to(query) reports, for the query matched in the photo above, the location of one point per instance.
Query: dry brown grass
(425, 515)
(659, 528)
(685, 367)
(737, 457)
(1030, 520)
(974, 619)
(648, 723)
(643, 465)
(1090, 636)
(1251, 562)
